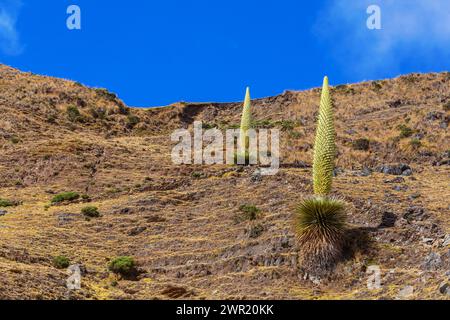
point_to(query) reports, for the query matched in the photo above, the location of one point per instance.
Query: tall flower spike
(245, 121)
(325, 146)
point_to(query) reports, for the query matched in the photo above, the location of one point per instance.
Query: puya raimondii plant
(320, 221)
(246, 122)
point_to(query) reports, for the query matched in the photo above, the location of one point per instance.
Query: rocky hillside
(188, 227)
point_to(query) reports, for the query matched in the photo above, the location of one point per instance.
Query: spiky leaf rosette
(320, 224)
(324, 147)
(245, 122)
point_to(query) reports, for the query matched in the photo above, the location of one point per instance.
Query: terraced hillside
(188, 227)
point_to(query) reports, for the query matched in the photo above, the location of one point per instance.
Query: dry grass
(180, 230)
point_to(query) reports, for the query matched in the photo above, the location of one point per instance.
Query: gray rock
(365, 172)
(415, 213)
(414, 196)
(396, 169)
(405, 293)
(256, 176)
(407, 173)
(432, 262)
(428, 241)
(3, 213)
(400, 188)
(395, 180)
(446, 241)
(444, 288)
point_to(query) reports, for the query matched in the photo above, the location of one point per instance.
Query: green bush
(248, 213)
(415, 143)
(405, 131)
(132, 121)
(286, 125)
(73, 114)
(362, 144)
(104, 93)
(65, 196)
(90, 211)
(7, 203)
(14, 140)
(61, 262)
(122, 265)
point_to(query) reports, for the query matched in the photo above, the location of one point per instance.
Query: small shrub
(73, 114)
(286, 125)
(51, 118)
(132, 121)
(405, 131)
(14, 140)
(7, 203)
(377, 86)
(90, 212)
(104, 93)
(248, 213)
(122, 265)
(415, 143)
(362, 144)
(65, 196)
(256, 231)
(446, 106)
(97, 113)
(61, 262)
(197, 175)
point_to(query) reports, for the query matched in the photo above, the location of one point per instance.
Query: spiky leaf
(324, 147)
(320, 224)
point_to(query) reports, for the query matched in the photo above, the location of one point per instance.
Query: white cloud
(9, 36)
(412, 31)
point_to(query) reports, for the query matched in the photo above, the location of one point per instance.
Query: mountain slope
(183, 224)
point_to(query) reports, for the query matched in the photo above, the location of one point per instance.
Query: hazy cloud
(418, 30)
(9, 36)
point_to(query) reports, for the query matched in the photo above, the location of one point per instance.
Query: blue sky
(157, 52)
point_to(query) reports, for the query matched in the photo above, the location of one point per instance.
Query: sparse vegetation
(362, 144)
(132, 121)
(106, 94)
(415, 143)
(405, 131)
(90, 212)
(61, 262)
(287, 125)
(122, 265)
(65, 196)
(248, 213)
(7, 203)
(377, 86)
(197, 175)
(14, 140)
(73, 114)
